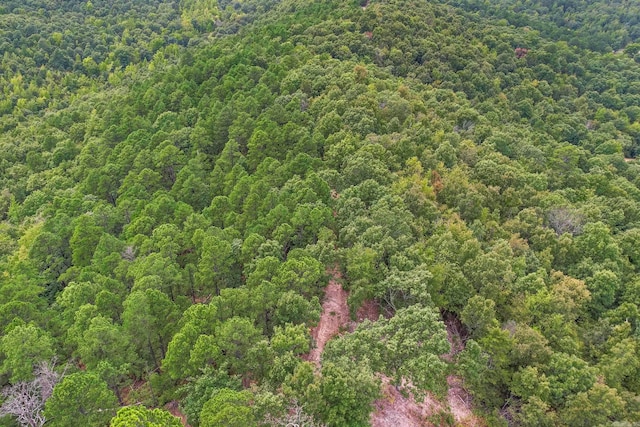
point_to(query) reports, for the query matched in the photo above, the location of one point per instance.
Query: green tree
(104, 341)
(84, 240)
(406, 347)
(621, 363)
(528, 382)
(215, 265)
(81, 398)
(536, 413)
(135, 416)
(203, 388)
(600, 405)
(277, 358)
(479, 374)
(604, 287)
(228, 408)
(199, 320)
(479, 315)
(149, 318)
(568, 375)
(530, 347)
(234, 340)
(23, 347)
(344, 393)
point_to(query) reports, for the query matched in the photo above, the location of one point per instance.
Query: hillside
(354, 213)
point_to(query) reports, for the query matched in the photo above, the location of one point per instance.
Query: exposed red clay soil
(459, 402)
(458, 398)
(334, 316)
(126, 391)
(396, 410)
(369, 310)
(174, 408)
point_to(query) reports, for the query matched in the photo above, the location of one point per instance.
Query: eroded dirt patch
(334, 316)
(459, 402)
(174, 408)
(458, 399)
(370, 310)
(396, 410)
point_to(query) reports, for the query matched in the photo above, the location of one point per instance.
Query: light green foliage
(86, 236)
(198, 13)
(234, 340)
(621, 364)
(569, 296)
(301, 274)
(276, 359)
(214, 268)
(403, 289)
(342, 395)
(104, 341)
(597, 406)
(604, 285)
(228, 408)
(81, 398)
(536, 412)
(198, 320)
(481, 378)
(406, 348)
(479, 315)
(568, 375)
(529, 382)
(23, 347)
(134, 416)
(530, 347)
(169, 273)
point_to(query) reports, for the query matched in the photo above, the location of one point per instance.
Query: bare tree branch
(565, 220)
(25, 400)
(294, 417)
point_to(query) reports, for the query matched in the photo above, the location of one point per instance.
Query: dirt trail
(334, 316)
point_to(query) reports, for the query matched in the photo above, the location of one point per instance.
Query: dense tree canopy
(180, 181)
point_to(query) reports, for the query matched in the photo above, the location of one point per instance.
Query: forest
(319, 212)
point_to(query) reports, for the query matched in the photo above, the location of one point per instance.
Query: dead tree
(25, 400)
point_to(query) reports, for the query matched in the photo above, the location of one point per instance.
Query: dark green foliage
(204, 388)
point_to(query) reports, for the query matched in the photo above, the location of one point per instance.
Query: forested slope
(173, 211)
(592, 24)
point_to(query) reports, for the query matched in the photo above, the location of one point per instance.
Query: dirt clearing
(396, 410)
